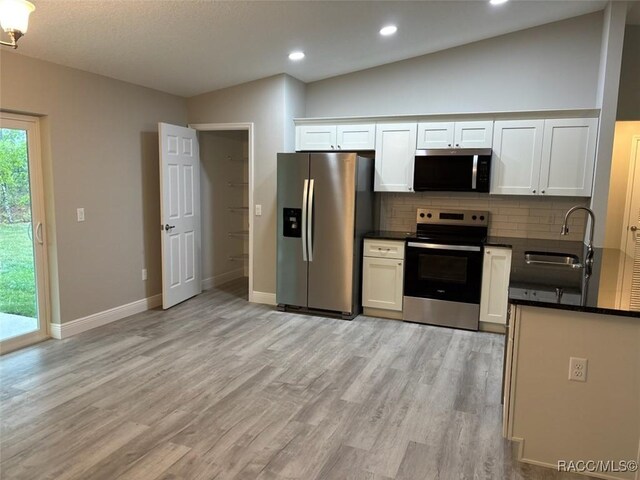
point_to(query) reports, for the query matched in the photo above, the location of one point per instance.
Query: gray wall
(260, 102)
(294, 107)
(554, 66)
(629, 94)
(100, 152)
(216, 171)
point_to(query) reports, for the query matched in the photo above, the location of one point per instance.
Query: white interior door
(631, 235)
(180, 213)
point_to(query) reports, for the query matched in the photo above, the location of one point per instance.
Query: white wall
(294, 107)
(262, 103)
(629, 94)
(100, 152)
(554, 66)
(607, 100)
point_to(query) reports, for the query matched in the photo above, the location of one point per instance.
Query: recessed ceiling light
(296, 56)
(388, 30)
(497, 2)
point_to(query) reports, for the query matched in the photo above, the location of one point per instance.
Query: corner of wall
(294, 106)
(607, 99)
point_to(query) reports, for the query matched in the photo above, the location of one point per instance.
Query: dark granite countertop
(598, 291)
(388, 235)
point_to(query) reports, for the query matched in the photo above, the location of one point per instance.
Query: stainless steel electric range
(443, 268)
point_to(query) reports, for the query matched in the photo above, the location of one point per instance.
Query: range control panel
(434, 216)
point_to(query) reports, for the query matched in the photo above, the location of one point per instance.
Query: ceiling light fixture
(388, 30)
(14, 19)
(295, 56)
(497, 2)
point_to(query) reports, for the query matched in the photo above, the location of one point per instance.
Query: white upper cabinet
(473, 134)
(395, 155)
(316, 137)
(517, 153)
(544, 157)
(455, 135)
(568, 156)
(335, 137)
(356, 137)
(435, 135)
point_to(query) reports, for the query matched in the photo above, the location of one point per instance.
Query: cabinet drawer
(383, 248)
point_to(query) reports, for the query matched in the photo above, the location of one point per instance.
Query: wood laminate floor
(218, 388)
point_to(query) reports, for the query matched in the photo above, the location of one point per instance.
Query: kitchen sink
(554, 259)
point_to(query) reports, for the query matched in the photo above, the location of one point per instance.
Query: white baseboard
(222, 278)
(262, 297)
(68, 329)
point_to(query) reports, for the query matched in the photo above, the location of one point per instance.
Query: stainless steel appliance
(325, 206)
(443, 268)
(453, 170)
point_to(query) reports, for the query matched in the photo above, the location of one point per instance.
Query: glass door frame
(32, 126)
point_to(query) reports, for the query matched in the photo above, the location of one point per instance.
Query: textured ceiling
(190, 47)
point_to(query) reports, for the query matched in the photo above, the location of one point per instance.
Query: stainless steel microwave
(452, 170)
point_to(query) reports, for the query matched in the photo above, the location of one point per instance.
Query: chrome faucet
(565, 230)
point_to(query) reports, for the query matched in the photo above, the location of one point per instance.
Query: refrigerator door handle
(305, 197)
(310, 221)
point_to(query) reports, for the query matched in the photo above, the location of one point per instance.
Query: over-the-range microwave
(452, 170)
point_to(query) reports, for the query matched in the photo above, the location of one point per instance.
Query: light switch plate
(80, 213)
(258, 210)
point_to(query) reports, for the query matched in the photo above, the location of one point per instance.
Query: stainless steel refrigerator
(325, 206)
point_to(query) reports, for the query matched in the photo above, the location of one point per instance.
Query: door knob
(168, 228)
(633, 228)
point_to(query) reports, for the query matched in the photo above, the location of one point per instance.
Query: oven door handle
(439, 246)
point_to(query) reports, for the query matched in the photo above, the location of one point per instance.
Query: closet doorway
(225, 198)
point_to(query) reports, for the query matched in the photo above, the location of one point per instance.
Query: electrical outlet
(577, 369)
(258, 210)
(80, 213)
(144, 274)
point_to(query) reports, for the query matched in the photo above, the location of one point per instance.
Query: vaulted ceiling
(194, 46)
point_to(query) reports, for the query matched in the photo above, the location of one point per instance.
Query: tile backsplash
(510, 216)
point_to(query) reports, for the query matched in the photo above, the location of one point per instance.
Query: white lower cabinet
(382, 275)
(495, 285)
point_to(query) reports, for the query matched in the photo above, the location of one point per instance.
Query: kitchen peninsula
(572, 390)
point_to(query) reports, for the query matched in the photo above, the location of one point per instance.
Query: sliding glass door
(23, 286)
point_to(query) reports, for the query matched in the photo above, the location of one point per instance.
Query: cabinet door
(316, 137)
(382, 283)
(435, 135)
(517, 153)
(395, 155)
(473, 134)
(356, 137)
(495, 285)
(568, 156)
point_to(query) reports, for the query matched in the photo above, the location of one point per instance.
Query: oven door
(443, 272)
